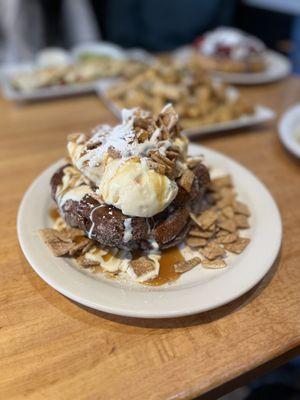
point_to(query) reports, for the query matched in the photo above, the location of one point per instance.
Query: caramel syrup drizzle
(169, 257)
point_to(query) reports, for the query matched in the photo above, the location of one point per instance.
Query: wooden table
(53, 348)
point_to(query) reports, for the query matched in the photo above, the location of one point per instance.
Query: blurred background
(27, 26)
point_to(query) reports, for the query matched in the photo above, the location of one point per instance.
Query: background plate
(289, 129)
(278, 67)
(261, 114)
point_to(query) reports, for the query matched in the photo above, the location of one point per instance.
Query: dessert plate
(195, 291)
(278, 67)
(289, 129)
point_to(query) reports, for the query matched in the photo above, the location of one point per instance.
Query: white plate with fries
(261, 115)
(196, 291)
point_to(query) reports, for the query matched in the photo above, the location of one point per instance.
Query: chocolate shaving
(200, 233)
(160, 158)
(113, 153)
(93, 145)
(142, 136)
(228, 212)
(241, 208)
(143, 123)
(64, 243)
(226, 238)
(238, 246)
(227, 225)
(142, 265)
(168, 117)
(186, 180)
(159, 168)
(184, 266)
(212, 251)
(206, 219)
(214, 264)
(226, 201)
(173, 155)
(241, 221)
(196, 242)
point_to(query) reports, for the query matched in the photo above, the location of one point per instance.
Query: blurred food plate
(261, 114)
(11, 93)
(278, 67)
(59, 58)
(289, 129)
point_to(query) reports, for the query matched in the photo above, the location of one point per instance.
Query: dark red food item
(223, 51)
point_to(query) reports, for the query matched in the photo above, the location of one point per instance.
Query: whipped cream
(115, 159)
(90, 155)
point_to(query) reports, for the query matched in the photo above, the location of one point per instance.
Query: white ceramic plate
(289, 129)
(278, 67)
(195, 291)
(261, 114)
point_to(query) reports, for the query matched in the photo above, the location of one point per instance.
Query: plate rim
(285, 134)
(259, 78)
(271, 257)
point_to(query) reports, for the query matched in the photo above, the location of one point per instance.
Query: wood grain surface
(53, 348)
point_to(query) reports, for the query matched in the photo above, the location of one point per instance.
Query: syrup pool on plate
(54, 214)
(169, 257)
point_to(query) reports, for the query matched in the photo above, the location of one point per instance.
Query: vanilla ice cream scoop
(135, 189)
